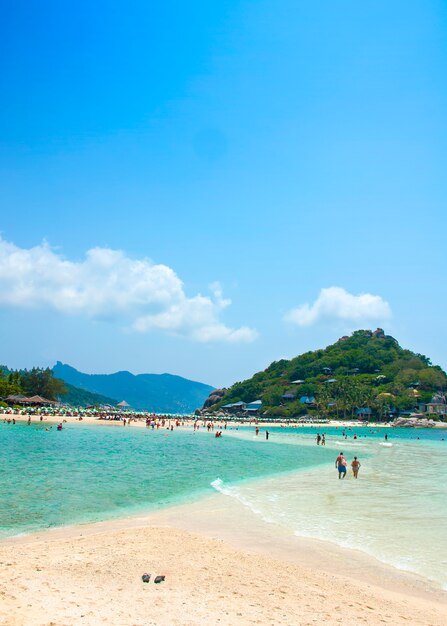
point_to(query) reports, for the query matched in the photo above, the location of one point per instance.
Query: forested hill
(162, 393)
(80, 397)
(366, 369)
(42, 382)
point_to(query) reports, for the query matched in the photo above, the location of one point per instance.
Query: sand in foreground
(92, 575)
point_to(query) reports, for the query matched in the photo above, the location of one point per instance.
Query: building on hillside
(364, 412)
(436, 408)
(249, 407)
(234, 406)
(288, 396)
(253, 407)
(307, 400)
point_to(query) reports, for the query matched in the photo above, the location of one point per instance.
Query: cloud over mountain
(337, 303)
(108, 284)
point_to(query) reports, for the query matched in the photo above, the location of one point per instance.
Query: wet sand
(222, 567)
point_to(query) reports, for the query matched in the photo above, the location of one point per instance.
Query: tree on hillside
(323, 399)
(9, 383)
(41, 382)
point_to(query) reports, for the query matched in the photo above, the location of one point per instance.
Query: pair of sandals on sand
(158, 579)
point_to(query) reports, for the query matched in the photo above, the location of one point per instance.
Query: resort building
(249, 407)
(364, 412)
(307, 400)
(288, 396)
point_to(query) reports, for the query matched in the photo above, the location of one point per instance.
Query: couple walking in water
(341, 465)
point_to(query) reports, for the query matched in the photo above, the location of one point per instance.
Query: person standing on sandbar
(340, 464)
(355, 466)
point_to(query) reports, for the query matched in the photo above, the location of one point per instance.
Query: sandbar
(222, 567)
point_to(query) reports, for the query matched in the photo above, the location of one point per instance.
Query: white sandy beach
(189, 421)
(220, 568)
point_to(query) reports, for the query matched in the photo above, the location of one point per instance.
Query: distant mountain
(80, 397)
(162, 393)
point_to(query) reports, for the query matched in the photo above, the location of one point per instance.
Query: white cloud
(107, 284)
(336, 302)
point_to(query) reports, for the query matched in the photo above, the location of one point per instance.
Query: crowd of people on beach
(155, 422)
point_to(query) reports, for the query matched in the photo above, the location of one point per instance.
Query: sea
(396, 511)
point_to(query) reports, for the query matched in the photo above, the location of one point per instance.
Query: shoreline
(188, 422)
(222, 566)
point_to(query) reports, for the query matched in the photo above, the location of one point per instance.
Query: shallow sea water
(89, 473)
(396, 510)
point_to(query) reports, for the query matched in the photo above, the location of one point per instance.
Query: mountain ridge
(168, 393)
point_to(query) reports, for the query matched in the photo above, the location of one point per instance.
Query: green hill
(80, 397)
(366, 370)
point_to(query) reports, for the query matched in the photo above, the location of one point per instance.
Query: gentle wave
(235, 492)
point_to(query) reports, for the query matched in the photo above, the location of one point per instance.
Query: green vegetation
(42, 382)
(36, 381)
(81, 397)
(366, 370)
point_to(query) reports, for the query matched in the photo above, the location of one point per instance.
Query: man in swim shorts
(340, 464)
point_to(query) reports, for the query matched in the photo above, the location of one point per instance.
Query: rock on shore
(413, 422)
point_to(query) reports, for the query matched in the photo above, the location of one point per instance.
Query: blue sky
(202, 188)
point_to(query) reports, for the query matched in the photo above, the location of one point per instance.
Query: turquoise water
(396, 510)
(89, 473)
